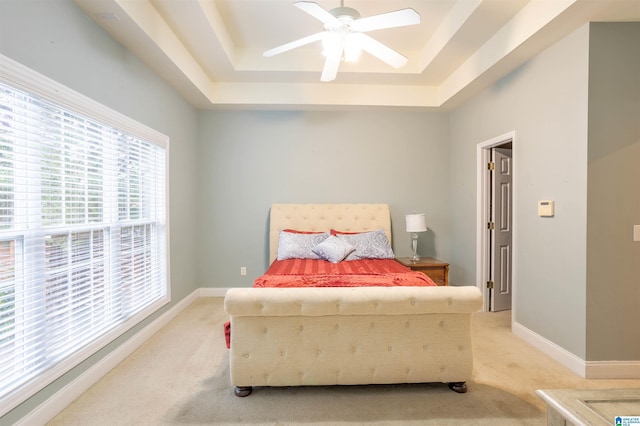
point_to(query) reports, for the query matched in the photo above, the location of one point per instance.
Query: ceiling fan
(344, 35)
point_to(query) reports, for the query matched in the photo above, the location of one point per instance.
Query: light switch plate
(636, 232)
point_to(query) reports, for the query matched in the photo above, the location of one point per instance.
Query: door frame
(483, 156)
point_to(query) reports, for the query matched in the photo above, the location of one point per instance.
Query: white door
(501, 229)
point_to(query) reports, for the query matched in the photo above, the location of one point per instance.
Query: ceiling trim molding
(321, 94)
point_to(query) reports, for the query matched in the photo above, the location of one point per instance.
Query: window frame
(30, 81)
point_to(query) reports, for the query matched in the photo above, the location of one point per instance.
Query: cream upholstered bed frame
(347, 335)
(323, 217)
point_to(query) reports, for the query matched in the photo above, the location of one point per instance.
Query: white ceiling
(211, 50)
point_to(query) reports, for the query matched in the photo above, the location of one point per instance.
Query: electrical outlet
(636, 232)
(243, 270)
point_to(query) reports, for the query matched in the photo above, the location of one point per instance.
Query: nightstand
(435, 269)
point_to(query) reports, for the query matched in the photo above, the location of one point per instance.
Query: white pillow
(293, 245)
(333, 249)
(369, 245)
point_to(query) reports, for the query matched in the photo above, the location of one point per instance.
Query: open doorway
(495, 222)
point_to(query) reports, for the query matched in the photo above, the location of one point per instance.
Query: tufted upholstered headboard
(323, 217)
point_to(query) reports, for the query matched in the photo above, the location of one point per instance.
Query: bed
(327, 333)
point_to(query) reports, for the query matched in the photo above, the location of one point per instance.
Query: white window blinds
(83, 246)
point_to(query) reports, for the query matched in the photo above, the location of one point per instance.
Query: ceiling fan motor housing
(345, 16)
(346, 13)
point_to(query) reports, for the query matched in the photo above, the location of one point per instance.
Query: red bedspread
(355, 273)
(320, 273)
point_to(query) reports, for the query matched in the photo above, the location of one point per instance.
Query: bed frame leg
(242, 391)
(459, 387)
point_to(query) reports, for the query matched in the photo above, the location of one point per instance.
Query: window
(83, 230)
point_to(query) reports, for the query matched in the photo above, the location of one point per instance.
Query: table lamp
(415, 223)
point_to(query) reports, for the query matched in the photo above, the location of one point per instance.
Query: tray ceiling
(211, 50)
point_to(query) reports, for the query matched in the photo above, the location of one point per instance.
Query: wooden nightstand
(435, 269)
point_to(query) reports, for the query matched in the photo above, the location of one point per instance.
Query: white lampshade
(416, 222)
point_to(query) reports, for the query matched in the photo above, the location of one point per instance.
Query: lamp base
(414, 246)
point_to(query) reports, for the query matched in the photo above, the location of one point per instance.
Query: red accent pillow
(295, 231)
(335, 232)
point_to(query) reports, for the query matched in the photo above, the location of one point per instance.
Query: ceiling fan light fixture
(352, 48)
(346, 47)
(352, 54)
(333, 44)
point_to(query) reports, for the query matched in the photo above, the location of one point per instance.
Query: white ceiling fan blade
(292, 45)
(330, 70)
(315, 10)
(381, 51)
(399, 18)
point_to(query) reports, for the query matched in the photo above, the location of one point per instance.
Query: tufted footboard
(347, 336)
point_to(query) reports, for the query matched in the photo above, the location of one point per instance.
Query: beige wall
(613, 259)
(251, 159)
(545, 103)
(575, 110)
(56, 39)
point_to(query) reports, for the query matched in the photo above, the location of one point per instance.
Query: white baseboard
(65, 396)
(613, 370)
(585, 369)
(212, 292)
(563, 356)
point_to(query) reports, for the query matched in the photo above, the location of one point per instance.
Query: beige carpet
(180, 376)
